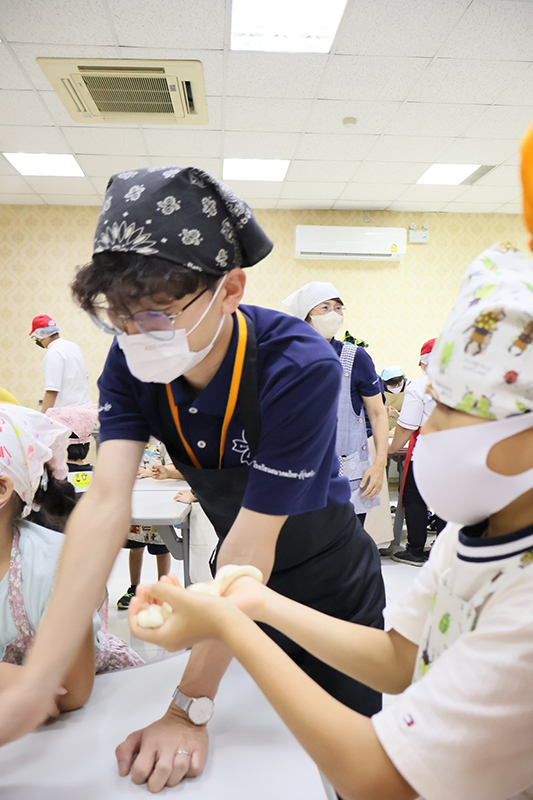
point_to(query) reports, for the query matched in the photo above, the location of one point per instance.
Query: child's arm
(342, 742)
(80, 678)
(161, 473)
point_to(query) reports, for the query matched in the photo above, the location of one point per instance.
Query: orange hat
(527, 180)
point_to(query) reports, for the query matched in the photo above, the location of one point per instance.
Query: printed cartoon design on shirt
(81, 479)
(483, 328)
(241, 446)
(523, 341)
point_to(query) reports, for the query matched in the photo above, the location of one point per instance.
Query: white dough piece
(225, 577)
(152, 617)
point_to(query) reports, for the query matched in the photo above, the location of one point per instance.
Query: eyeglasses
(323, 308)
(157, 324)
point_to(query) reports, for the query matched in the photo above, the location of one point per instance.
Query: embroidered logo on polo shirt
(302, 475)
(106, 407)
(409, 721)
(241, 446)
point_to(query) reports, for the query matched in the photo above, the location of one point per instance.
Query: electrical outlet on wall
(419, 237)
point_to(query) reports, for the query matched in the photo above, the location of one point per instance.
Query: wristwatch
(198, 709)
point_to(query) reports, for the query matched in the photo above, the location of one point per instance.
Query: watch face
(201, 710)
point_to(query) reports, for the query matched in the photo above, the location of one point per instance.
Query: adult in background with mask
(394, 385)
(63, 366)
(417, 407)
(244, 399)
(319, 304)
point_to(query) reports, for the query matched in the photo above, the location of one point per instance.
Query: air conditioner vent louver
(129, 90)
(129, 95)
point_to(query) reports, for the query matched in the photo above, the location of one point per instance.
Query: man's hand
(165, 752)
(372, 481)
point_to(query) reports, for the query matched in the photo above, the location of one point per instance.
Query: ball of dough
(225, 577)
(151, 617)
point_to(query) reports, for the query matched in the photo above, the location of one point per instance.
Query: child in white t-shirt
(459, 649)
(33, 451)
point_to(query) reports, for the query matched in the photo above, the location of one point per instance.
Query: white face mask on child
(451, 472)
(162, 361)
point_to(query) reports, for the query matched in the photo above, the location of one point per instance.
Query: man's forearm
(49, 400)
(380, 433)
(382, 660)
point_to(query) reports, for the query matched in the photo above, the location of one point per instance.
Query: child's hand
(159, 472)
(144, 472)
(194, 617)
(185, 496)
(249, 596)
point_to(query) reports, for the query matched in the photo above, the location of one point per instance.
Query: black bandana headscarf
(180, 215)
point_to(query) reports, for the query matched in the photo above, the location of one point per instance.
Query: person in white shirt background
(459, 649)
(64, 369)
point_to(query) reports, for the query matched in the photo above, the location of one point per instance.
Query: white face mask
(158, 361)
(451, 472)
(328, 324)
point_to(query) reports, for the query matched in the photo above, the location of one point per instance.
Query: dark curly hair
(124, 278)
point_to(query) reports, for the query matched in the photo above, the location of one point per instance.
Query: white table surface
(154, 501)
(252, 755)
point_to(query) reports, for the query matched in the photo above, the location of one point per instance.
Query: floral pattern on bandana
(216, 232)
(482, 362)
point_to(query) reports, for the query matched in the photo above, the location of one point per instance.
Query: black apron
(323, 558)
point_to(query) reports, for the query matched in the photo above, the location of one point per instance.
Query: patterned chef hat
(184, 216)
(79, 419)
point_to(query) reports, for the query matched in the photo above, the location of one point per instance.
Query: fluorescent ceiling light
(448, 174)
(254, 169)
(285, 26)
(61, 165)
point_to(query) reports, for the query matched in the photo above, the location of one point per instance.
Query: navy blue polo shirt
(365, 380)
(296, 467)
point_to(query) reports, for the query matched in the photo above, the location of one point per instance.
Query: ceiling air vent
(129, 91)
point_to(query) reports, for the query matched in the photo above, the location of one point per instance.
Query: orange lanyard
(232, 397)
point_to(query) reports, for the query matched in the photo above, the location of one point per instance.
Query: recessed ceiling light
(285, 26)
(448, 174)
(61, 165)
(254, 169)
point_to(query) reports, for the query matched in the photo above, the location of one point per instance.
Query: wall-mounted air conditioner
(129, 91)
(354, 244)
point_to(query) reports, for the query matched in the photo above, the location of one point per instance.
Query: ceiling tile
(400, 28)
(409, 148)
(212, 62)
(11, 76)
(433, 119)
(274, 75)
(105, 166)
(370, 78)
(99, 184)
(61, 22)
(510, 208)
(22, 108)
(520, 92)
(325, 204)
(443, 194)
(489, 194)
(184, 144)
(260, 145)
(494, 29)
(28, 53)
(26, 139)
(14, 184)
(415, 205)
(72, 200)
(57, 111)
(388, 172)
(6, 168)
(21, 200)
(471, 208)
(334, 147)
(373, 192)
(101, 140)
(478, 151)
(265, 114)
(501, 176)
(448, 80)
(169, 24)
(307, 190)
(351, 205)
(327, 116)
(323, 171)
(261, 203)
(257, 189)
(47, 185)
(502, 122)
(211, 165)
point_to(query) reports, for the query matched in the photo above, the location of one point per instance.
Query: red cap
(42, 321)
(426, 348)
